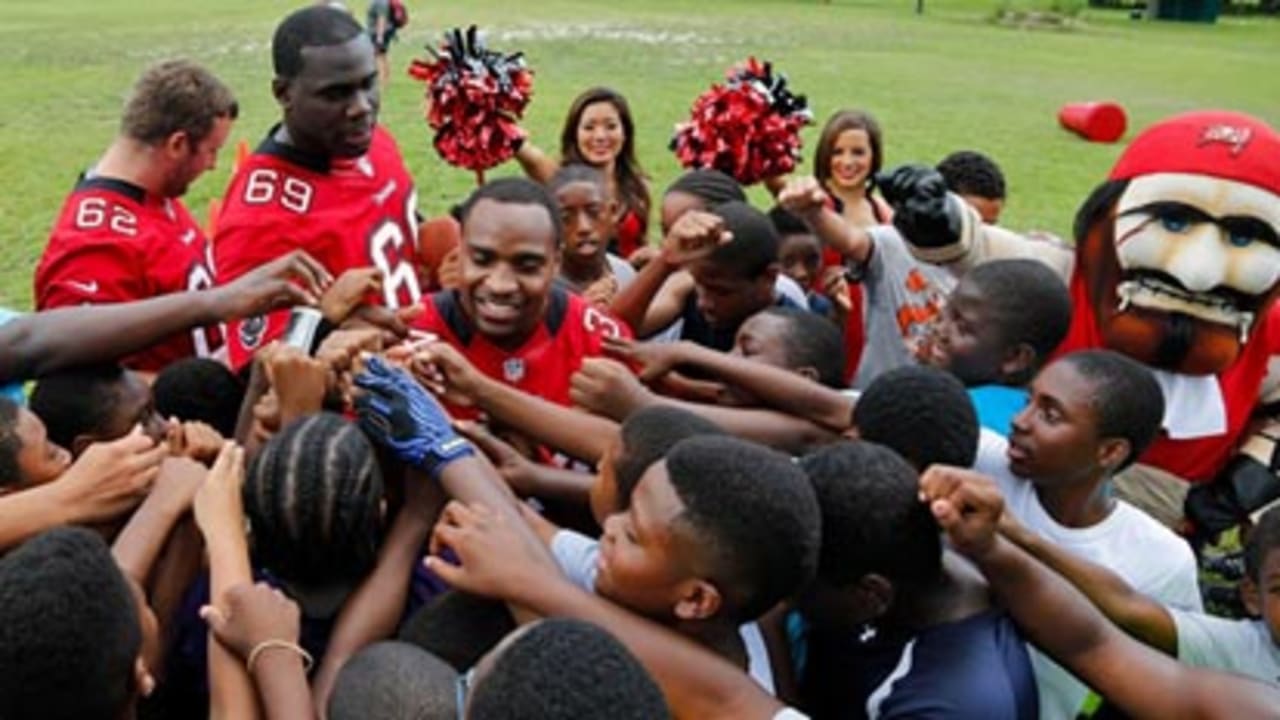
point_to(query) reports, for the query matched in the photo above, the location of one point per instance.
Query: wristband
(304, 329)
(265, 645)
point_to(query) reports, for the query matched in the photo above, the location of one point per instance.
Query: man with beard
(328, 179)
(123, 233)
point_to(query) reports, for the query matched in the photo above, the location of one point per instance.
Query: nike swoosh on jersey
(88, 288)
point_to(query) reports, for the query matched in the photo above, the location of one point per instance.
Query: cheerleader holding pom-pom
(475, 99)
(598, 131)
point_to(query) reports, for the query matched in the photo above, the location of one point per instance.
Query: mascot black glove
(922, 210)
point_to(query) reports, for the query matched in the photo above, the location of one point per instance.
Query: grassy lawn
(942, 81)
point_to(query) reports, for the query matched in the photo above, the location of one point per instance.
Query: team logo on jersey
(365, 165)
(513, 369)
(251, 331)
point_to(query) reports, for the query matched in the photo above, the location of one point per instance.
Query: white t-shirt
(1244, 647)
(1147, 555)
(576, 555)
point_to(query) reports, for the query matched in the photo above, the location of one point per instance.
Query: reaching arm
(38, 344)
(653, 299)
(1062, 622)
(260, 625)
(220, 516)
(106, 481)
(144, 536)
(525, 477)
(499, 560)
(607, 387)
(805, 197)
(781, 389)
(536, 164)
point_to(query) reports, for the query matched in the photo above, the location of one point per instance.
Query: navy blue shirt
(974, 669)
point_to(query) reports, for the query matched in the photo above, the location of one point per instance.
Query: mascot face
(1182, 265)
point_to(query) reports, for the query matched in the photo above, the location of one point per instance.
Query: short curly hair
(752, 517)
(923, 414)
(967, 172)
(69, 629)
(562, 668)
(872, 517)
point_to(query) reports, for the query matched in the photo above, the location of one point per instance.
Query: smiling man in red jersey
(328, 179)
(509, 316)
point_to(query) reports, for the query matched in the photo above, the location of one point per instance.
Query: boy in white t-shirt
(1090, 415)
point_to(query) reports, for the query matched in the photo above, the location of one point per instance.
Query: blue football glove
(400, 414)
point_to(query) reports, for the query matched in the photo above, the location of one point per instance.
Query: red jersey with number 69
(572, 330)
(346, 212)
(114, 242)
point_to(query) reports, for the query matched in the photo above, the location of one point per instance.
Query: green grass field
(938, 82)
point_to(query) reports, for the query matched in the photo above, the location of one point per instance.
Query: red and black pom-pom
(748, 128)
(475, 96)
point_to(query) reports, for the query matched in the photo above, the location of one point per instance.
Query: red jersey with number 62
(347, 213)
(114, 242)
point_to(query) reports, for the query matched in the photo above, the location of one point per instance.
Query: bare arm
(220, 515)
(654, 298)
(607, 387)
(775, 387)
(106, 481)
(1062, 622)
(38, 344)
(806, 199)
(536, 164)
(260, 625)
(143, 537)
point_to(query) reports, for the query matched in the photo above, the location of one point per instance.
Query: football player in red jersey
(510, 317)
(328, 179)
(123, 234)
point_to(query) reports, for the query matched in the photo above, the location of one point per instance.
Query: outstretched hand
(922, 210)
(348, 292)
(802, 195)
(607, 387)
(401, 415)
(248, 615)
(496, 558)
(111, 478)
(653, 359)
(295, 278)
(966, 504)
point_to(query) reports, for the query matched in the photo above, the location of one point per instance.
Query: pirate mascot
(1177, 265)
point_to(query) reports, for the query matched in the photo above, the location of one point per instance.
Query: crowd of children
(520, 462)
